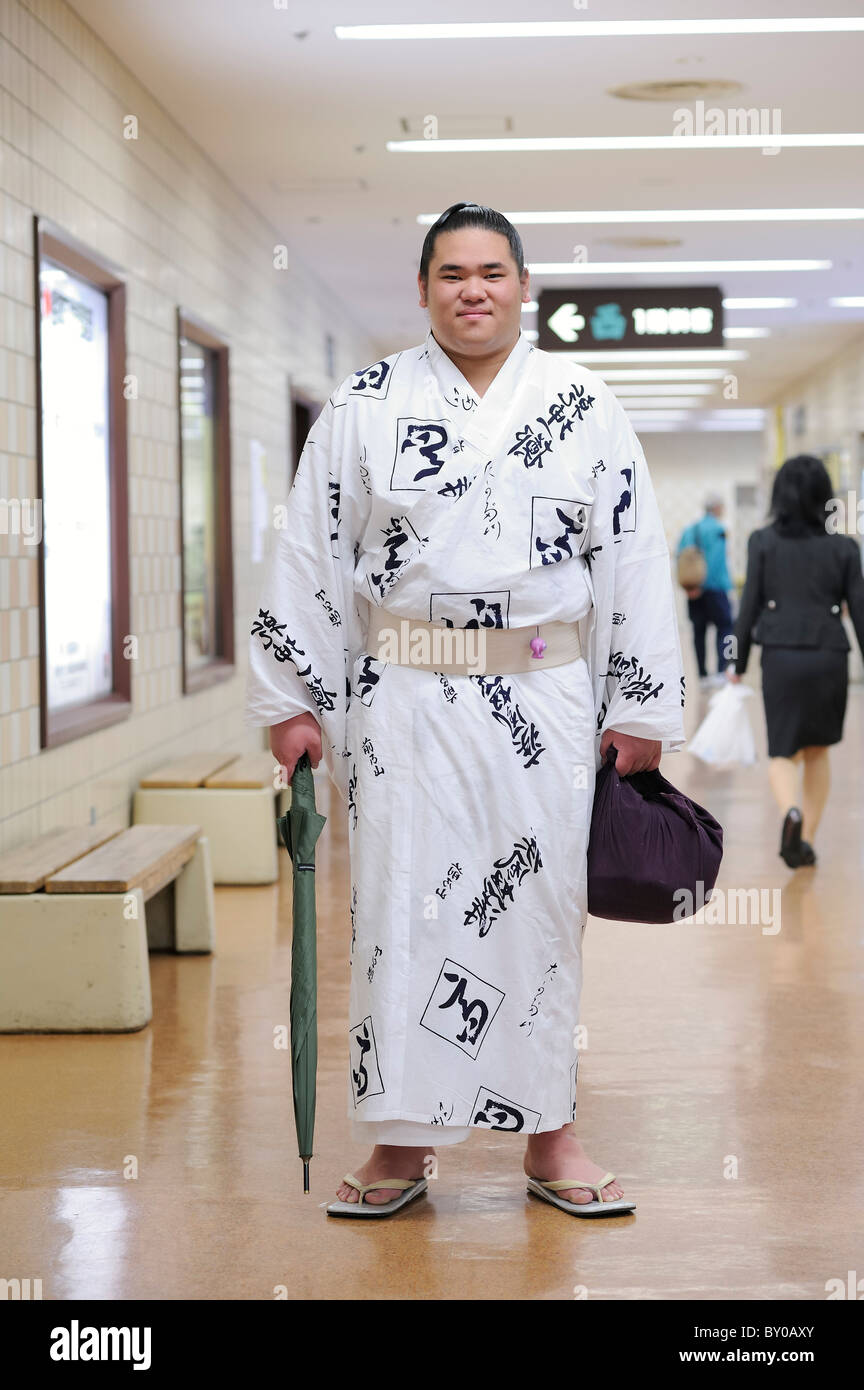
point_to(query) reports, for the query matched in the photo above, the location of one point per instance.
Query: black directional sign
(605, 320)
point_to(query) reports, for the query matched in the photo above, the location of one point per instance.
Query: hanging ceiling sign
(604, 320)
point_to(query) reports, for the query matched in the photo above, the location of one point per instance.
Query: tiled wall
(826, 410)
(179, 233)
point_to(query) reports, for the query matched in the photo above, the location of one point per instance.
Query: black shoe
(808, 855)
(790, 839)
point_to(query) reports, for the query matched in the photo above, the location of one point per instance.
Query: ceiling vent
(692, 90)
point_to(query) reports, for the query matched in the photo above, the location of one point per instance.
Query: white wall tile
(159, 209)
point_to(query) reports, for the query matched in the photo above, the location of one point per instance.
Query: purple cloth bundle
(648, 842)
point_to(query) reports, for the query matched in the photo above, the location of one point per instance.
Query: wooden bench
(79, 911)
(235, 800)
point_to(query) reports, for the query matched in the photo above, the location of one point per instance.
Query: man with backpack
(704, 575)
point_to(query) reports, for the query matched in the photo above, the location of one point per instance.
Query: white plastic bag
(725, 738)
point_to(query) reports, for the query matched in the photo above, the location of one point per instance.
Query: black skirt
(804, 690)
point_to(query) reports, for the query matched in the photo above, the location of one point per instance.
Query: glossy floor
(722, 1082)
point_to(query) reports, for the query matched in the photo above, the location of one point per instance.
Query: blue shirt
(710, 536)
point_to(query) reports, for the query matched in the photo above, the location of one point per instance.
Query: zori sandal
(413, 1188)
(548, 1191)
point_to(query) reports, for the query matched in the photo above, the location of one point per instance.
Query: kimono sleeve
(644, 685)
(300, 635)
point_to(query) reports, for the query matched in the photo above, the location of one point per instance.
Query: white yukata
(468, 797)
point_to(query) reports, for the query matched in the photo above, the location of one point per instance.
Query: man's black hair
(471, 215)
(802, 487)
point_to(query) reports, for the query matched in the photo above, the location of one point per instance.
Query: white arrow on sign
(566, 322)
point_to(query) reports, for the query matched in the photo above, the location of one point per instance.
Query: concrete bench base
(74, 963)
(79, 962)
(240, 824)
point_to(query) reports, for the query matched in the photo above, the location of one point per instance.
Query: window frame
(222, 667)
(51, 242)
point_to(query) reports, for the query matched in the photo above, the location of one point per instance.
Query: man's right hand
(294, 737)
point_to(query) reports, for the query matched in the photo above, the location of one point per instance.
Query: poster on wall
(76, 487)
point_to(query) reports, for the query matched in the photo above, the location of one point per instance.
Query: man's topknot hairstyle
(471, 215)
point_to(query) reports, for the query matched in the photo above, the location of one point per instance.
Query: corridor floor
(721, 1082)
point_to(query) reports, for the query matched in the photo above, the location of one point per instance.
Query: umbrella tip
(305, 1174)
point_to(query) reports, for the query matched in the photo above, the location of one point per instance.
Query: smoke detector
(690, 90)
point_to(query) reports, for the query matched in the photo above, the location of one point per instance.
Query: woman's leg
(784, 776)
(817, 780)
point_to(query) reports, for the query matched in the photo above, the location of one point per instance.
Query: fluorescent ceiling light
(661, 426)
(649, 406)
(662, 373)
(649, 403)
(537, 219)
(531, 307)
(847, 302)
(746, 332)
(559, 143)
(661, 355)
(668, 267)
(759, 303)
(665, 388)
(650, 415)
(742, 426)
(599, 29)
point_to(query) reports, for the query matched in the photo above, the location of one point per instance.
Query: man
(710, 605)
(481, 488)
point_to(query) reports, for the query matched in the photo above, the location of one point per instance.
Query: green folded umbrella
(300, 829)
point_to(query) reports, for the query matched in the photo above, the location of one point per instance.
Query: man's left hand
(634, 754)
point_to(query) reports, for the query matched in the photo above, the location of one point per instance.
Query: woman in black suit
(799, 573)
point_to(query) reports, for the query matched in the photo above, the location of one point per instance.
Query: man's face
(474, 293)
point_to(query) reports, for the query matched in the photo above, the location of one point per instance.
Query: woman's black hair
(801, 489)
(471, 215)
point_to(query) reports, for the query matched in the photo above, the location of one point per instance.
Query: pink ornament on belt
(538, 647)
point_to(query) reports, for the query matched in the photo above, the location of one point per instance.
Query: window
(81, 461)
(205, 507)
